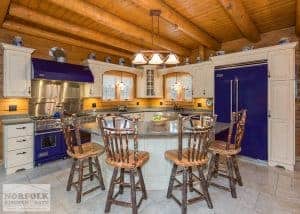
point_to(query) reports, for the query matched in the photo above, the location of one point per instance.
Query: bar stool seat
(219, 147)
(142, 158)
(172, 155)
(86, 150)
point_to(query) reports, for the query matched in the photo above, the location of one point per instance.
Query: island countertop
(150, 129)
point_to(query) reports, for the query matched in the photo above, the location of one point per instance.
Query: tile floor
(265, 190)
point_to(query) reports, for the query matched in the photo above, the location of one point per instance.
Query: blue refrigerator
(245, 87)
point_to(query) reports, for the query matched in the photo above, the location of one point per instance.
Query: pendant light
(120, 84)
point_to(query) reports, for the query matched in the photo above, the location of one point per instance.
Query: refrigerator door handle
(231, 99)
(237, 95)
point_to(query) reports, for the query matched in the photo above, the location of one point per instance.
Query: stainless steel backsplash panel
(49, 97)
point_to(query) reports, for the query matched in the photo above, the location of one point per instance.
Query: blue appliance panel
(251, 86)
(48, 147)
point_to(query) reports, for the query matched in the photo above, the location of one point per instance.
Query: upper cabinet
(16, 71)
(282, 64)
(149, 83)
(94, 89)
(203, 80)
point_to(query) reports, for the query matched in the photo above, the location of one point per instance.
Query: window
(118, 85)
(178, 86)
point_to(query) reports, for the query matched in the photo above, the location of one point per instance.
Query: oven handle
(48, 132)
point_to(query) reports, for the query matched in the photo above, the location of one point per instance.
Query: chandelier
(155, 57)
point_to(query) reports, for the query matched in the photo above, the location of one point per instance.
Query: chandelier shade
(156, 59)
(172, 59)
(139, 59)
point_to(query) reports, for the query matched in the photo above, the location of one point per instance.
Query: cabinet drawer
(19, 157)
(19, 130)
(19, 143)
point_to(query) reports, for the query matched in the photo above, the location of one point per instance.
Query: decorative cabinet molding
(16, 71)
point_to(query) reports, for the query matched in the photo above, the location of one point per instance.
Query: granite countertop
(15, 119)
(138, 110)
(148, 129)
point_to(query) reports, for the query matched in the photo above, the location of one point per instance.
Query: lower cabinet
(18, 147)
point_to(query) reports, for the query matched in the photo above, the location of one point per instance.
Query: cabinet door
(208, 81)
(17, 74)
(282, 65)
(94, 89)
(141, 85)
(281, 122)
(198, 83)
(158, 85)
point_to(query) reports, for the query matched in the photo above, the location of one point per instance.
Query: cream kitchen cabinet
(149, 83)
(16, 71)
(18, 146)
(94, 89)
(203, 80)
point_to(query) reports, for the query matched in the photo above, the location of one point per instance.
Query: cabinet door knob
(29, 90)
(24, 127)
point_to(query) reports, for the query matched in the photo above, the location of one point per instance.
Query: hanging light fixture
(120, 84)
(177, 85)
(157, 56)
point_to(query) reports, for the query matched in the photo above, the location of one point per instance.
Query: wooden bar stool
(81, 154)
(228, 150)
(194, 157)
(118, 133)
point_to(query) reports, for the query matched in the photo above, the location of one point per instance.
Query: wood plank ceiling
(122, 27)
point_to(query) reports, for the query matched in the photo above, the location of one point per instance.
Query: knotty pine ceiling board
(141, 18)
(208, 15)
(271, 15)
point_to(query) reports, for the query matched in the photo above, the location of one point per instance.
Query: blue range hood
(51, 70)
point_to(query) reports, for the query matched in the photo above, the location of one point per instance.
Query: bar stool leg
(80, 180)
(237, 171)
(204, 186)
(70, 180)
(111, 190)
(139, 170)
(211, 167)
(190, 179)
(133, 192)
(216, 168)
(171, 182)
(231, 177)
(99, 173)
(121, 186)
(184, 192)
(91, 169)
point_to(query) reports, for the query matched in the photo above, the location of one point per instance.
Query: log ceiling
(122, 27)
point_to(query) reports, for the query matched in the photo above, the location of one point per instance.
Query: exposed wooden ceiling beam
(238, 14)
(57, 24)
(181, 22)
(298, 17)
(21, 28)
(4, 5)
(105, 18)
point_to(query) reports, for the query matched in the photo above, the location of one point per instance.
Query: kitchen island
(155, 139)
